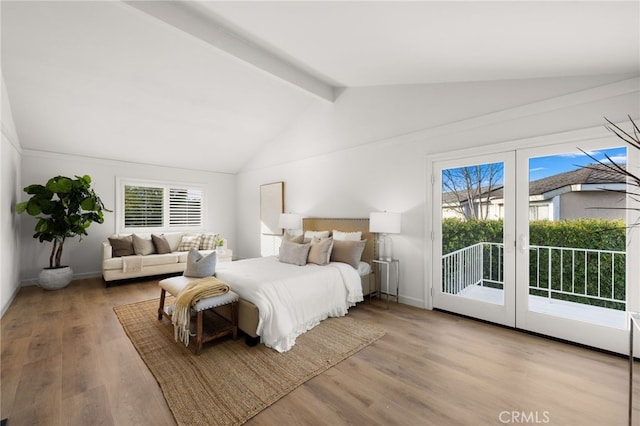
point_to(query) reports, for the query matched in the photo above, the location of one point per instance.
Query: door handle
(522, 243)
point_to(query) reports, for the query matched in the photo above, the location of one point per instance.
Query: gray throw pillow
(121, 246)
(199, 266)
(348, 252)
(294, 253)
(161, 244)
(142, 245)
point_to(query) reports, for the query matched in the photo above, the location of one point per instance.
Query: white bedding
(292, 299)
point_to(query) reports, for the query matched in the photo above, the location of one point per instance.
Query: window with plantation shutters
(143, 207)
(155, 206)
(185, 207)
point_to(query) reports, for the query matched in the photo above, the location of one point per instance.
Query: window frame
(167, 186)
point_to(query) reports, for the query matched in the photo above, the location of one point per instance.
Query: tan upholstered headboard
(345, 225)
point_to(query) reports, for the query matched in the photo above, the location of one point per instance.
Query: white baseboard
(10, 301)
(412, 301)
(34, 281)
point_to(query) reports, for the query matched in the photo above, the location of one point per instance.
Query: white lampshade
(385, 222)
(290, 221)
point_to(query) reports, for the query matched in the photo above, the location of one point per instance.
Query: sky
(541, 167)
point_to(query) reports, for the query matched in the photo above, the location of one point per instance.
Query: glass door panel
(572, 263)
(472, 263)
(577, 236)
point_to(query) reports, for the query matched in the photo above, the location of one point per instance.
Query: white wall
(10, 189)
(85, 256)
(389, 173)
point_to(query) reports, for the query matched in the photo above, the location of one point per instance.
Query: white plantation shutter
(143, 207)
(158, 206)
(185, 207)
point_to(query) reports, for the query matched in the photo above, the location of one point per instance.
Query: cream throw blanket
(191, 294)
(131, 264)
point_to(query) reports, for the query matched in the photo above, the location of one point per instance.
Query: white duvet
(291, 299)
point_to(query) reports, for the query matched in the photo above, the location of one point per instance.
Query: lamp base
(385, 247)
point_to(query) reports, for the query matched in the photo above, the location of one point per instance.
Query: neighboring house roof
(593, 174)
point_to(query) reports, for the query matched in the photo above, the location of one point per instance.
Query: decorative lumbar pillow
(208, 241)
(189, 242)
(161, 244)
(347, 236)
(199, 266)
(348, 252)
(320, 250)
(142, 245)
(294, 253)
(308, 235)
(121, 246)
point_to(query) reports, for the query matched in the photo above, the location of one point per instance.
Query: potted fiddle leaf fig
(64, 208)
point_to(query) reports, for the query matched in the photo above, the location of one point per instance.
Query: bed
(280, 301)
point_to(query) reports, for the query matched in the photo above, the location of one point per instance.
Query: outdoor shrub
(565, 272)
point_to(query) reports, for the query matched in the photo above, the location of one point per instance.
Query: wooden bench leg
(199, 331)
(234, 318)
(163, 293)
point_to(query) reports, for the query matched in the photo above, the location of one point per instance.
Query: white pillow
(308, 235)
(347, 236)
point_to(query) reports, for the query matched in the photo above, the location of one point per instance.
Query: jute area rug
(230, 382)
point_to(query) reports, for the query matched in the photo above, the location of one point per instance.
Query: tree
(468, 190)
(65, 208)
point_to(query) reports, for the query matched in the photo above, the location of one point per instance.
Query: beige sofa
(120, 268)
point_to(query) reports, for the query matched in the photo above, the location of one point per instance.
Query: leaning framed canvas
(271, 206)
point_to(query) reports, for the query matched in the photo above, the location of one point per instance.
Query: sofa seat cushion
(150, 260)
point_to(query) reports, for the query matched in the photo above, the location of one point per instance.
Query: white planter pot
(56, 278)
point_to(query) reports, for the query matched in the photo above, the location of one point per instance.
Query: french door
(537, 239)
(465, 252)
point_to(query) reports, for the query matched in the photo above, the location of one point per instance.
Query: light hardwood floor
(67, 361)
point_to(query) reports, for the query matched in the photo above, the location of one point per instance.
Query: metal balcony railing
(587, 276)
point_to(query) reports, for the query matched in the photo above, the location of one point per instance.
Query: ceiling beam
(203, 26)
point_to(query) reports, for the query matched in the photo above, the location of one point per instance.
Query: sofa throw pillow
(294, 253)
(143, 246)
(161, 244)
(188, 242)
(199, 266)
(348, 252)
(121, 246)
(208, 241)
(320, 251)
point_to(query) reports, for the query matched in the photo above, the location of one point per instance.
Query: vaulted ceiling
(206, 85)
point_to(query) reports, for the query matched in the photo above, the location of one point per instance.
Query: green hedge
(597, 234)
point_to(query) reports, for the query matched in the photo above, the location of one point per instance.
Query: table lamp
(290, 222)
(385, 223)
